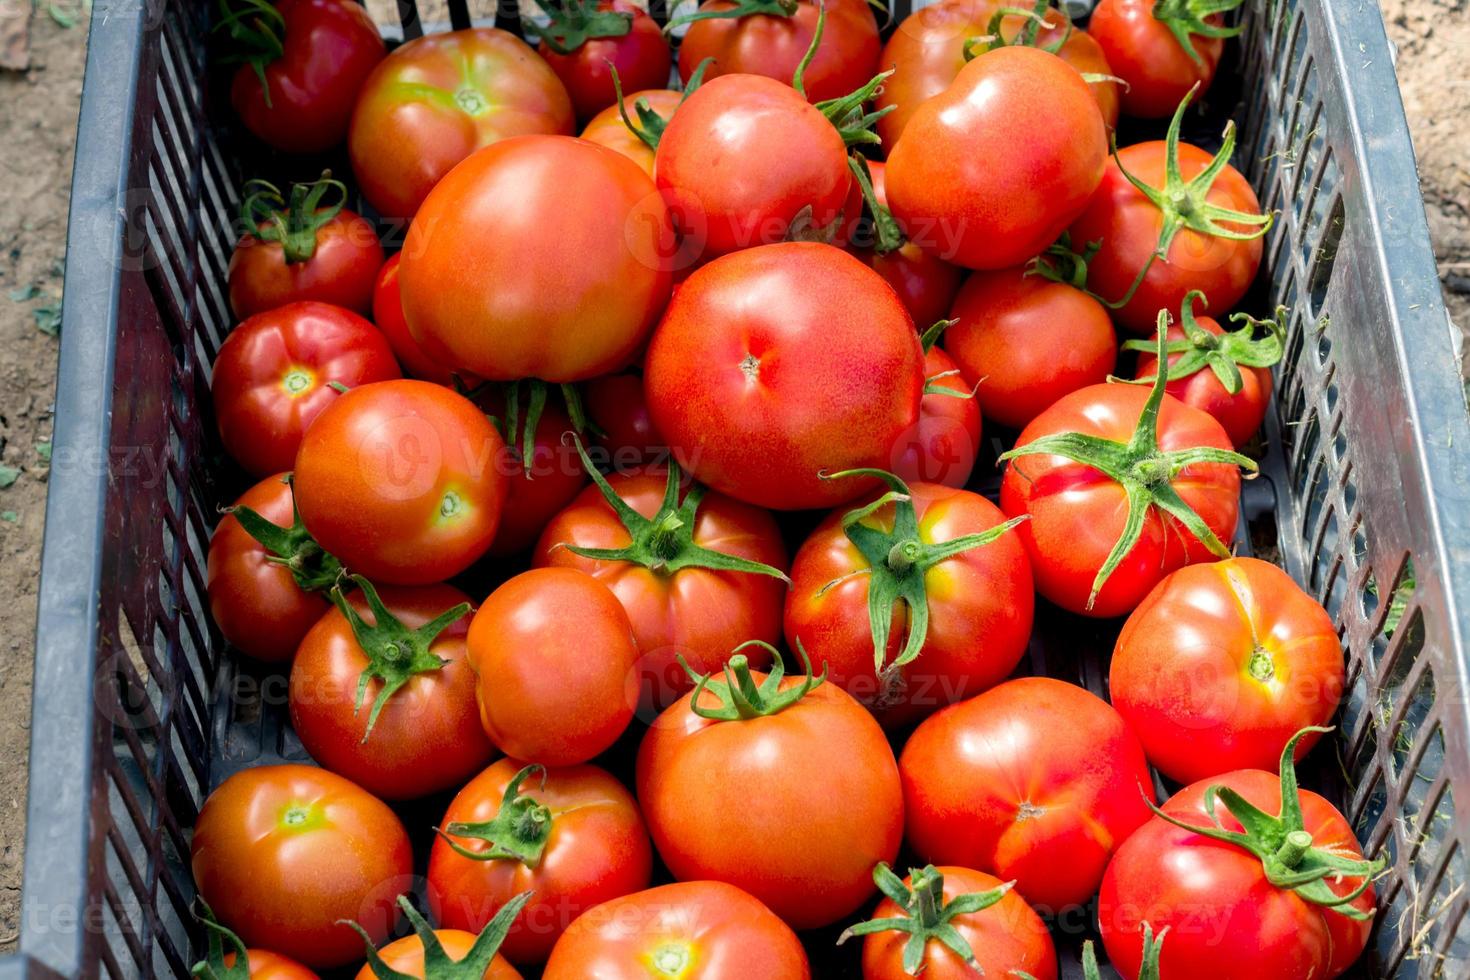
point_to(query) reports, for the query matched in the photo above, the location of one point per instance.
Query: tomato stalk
(213, 967)
(437, 964)
(844, 112)
(257, 28)
(1027, 36)
(1152, 948)
(1187, 19)
(927, 340)
(1144, 471)
(889, 236)
(266, 214)
(1223, 354)
(650, 126)
(927, 915)
(313, 568)
(572, 23)
(519, 430)
(737, 10)
(518, 831)
(739, 695)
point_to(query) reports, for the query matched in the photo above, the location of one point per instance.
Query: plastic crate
(1363, 495)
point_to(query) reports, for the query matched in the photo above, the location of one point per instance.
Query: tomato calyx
(1187, 19)
(313, 568)
(928, 916)
(737, 10)
(1223, 353)
(1153, 946)
(650, 125)
(1287, 852)
(1028, 36)
(932, 385)
(1144, 471)
(293, 224)
(518, 831)
(518, 430)
(741, 699)
(575, 22)
(213, 967)
(257, 28)
(437, 964)
(394, 652)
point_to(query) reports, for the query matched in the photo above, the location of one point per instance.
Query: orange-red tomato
(406, 956)
(608, 129)
(1143, 51)
(388, 315)
(943, 447)
(640, 55)
(924, 282)
(341, 269)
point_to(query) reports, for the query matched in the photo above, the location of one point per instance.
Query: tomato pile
(618, 536)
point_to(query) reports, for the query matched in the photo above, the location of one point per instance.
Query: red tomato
(608, 129)
(398, 481)
(388, 315)
(441, 97)
(259, 964)
(412, 727)
(616, 405)
(764, 43)
(322, 52)
(698, 930)
(265, 607)
(925, 283)
(557, 666)
(572, 836)
(580, 230)
(777, 363)
(942, 448)
(302, 252)
(1024, 341)
(1036, 780)
(274, 373)
(955, 614)
(1138, 38)
(990, 171)
(1225, 919)
(534, 494)
(741, 789)
(283, 853)
(1222, 664)
(587, 40)
(430, 954)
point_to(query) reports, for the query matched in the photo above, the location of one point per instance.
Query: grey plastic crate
(1363, 494)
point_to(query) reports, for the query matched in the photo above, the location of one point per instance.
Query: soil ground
(37, 132)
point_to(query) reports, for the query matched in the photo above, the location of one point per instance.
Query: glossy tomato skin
(281, 853)
(608, 129)
(616, 404)
(1225, 920)
(924, 282)
(256, 602)
(330, 48)
(744, 158)
(427, 737)
(697, 930)
(1023, 342)
(1077, 514)
(398, 480)
(1128, 225)
(944, 446)
(273, 374)
(557, 666)
(750, 802)
(265, 965)
(341, 271)
(598, 851)
(582, 231)
(641, 58)
(1143, 52)
(406, 956)
(779, 362)
(980, 608)
(388, 316)
(1036, 780)
(763, 44)
(1007, 937)
(1242, 413)
(441, 97)
(989, 172)
(1222, 664)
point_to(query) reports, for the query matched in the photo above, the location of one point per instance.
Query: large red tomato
(303, 250)
(1162, 51)
(1207, 868)
(388, 315)
(587, 41)
(441, 97)
(255, 964)
(430, 954)
(782, 786)
(283, 853)
(397, 479)
(943, 447)
(305, 61)
(1037, 781)
(779, 363)
(990, 171)
(579, 229)
(275, 374)
(913, 601)
(573, 837)
(698, 930)
(608, 129)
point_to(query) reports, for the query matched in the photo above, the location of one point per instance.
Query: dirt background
(38, 110)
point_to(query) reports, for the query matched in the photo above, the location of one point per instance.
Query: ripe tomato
(924, 282)
(580, 230)
(777, 363)
(698, 930)
(557, 666)
(1025, 341)
(388, 315)
(255, 964)
(587, 40)
(406, 956)
(441, 97)
(571, 836)
(284, 852)
(1036, 780)
(952, 924)
(1222, 664)
(1161, 50)
(990, 171)
(754, 39)
(913, 601)
(943, 447)
(738, 782)
(304, 62)
(398, 480)
(1225, 917)
(616, 405)
(608, 129)
(430, 954)
(264, 607)
(274, 374)
(303, 251)
(380, 692)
